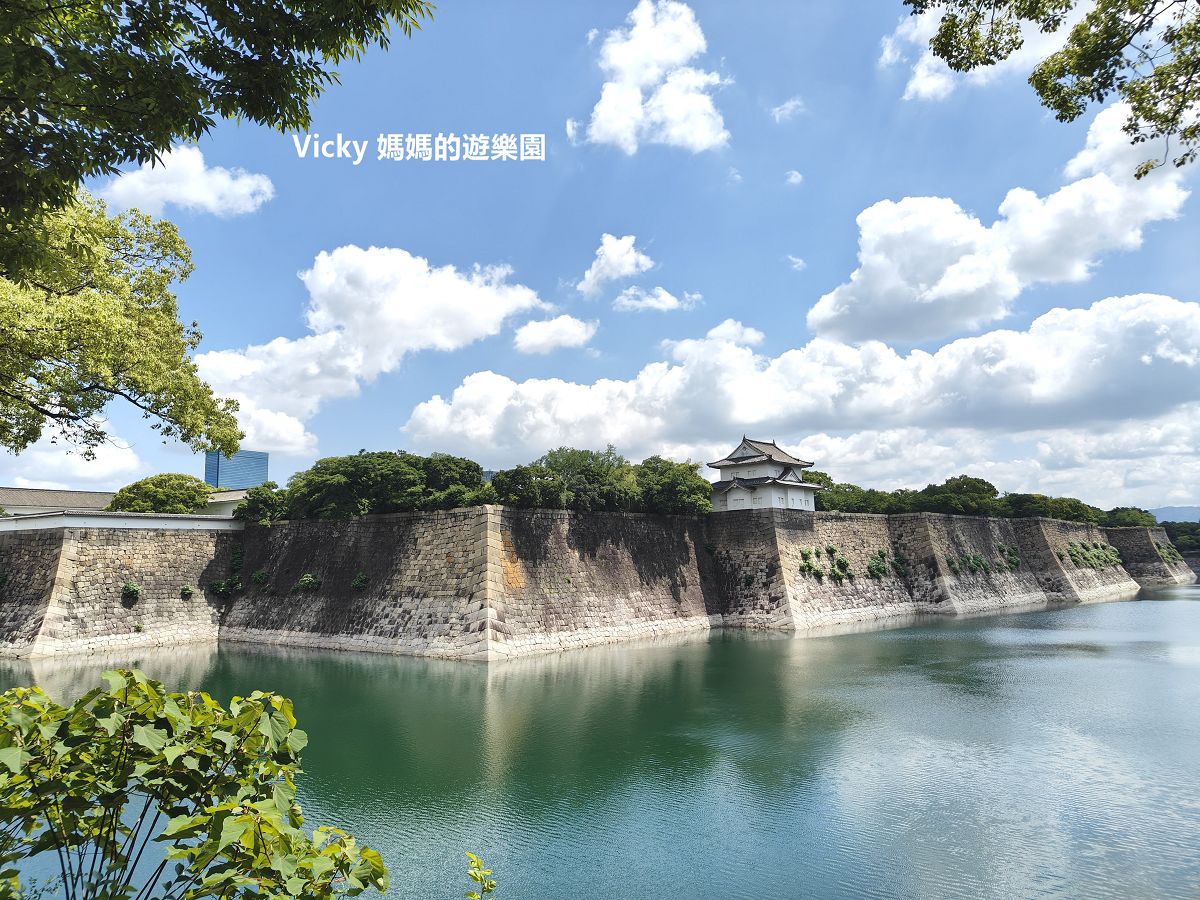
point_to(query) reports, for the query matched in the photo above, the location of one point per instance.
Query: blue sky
(916, 339)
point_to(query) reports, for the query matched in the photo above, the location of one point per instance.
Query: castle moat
(1050, 753)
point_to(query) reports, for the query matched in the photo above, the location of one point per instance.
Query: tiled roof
(720, 487)
(767, 450)
(11, 497)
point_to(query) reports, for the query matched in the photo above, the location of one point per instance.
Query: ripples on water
(1046, 754)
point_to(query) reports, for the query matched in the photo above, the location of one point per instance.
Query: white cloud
(592, 34)
(616, 258)
(183, 179)
(796, 263)
(550, 334)
(793, 178)
(734, 176)
(49, 465)
(652, 94)
(931, 79)
(636, 299)
(787, 110)
(367, 310)
(572, 129)
(928, 268)
(1090, 371)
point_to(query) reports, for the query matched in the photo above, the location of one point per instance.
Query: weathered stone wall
(422, 588)
(572, 579)
(492, 582)
(28, 566)
(1193, 561)
(1149, 556)
(77, 604)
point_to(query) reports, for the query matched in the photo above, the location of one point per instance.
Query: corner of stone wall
(487, 614)
(1140, 549)
(48, 636)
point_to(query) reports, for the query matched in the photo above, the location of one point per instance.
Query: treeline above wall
(342, 487)
(968, 496)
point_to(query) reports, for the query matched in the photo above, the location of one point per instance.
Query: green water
(1052, 754)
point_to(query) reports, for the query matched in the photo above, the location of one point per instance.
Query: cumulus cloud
(1123, 359)
(367, 310)
(929, 78)
(787, 110)
(184, 180)
(652, 94)
(793, 178)
(928, 268)
(616, 258)
(550, 334)
(46, 464)
(636, 299)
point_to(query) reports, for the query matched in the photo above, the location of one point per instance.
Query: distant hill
(1177, 513)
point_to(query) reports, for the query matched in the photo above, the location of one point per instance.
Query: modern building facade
(245, 469)
(758, 474)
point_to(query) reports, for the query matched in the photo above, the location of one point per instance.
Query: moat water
(1039, 754)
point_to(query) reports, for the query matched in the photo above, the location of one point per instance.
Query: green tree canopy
(1126, 516)
(594, 479)
(89, 85)
(341, 487)
(263, 504)
(1145, 51)
(95, 321)
(673, 487)
(530, 487)
(170, 492)
(202, 796)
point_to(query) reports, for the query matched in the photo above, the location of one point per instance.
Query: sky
(781, 219)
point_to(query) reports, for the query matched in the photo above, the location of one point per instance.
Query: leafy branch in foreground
(94, 784)
(481, 876)
(1147, 52)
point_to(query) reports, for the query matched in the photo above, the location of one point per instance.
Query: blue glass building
(245, 469)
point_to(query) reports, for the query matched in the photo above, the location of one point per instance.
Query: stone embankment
(494, 582)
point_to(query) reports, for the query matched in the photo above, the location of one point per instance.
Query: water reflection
(1049, 753)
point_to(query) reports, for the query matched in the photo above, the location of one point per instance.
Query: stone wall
(28, 566)
(1149, 556)
(422, 584)
(70, 595)
(494, 582)
(574, 579)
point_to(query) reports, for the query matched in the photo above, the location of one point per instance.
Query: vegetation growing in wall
(94, 788)
(306, 583)
(261, 577)
(361, 581)
(1094, 555)
(131, 593)
(186, 592)
(877, 565)
(169, 492)
(966, 495)
(1167, 552)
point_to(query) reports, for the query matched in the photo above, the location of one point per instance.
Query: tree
(1126, 516)
(530, 487)
(341, 487)
(594, 479)
(961, 495)
(93, 785)
(673, 487)
(262, 505)
(94, 321)
(1145, 51)
(93, 84)
(170, 492)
